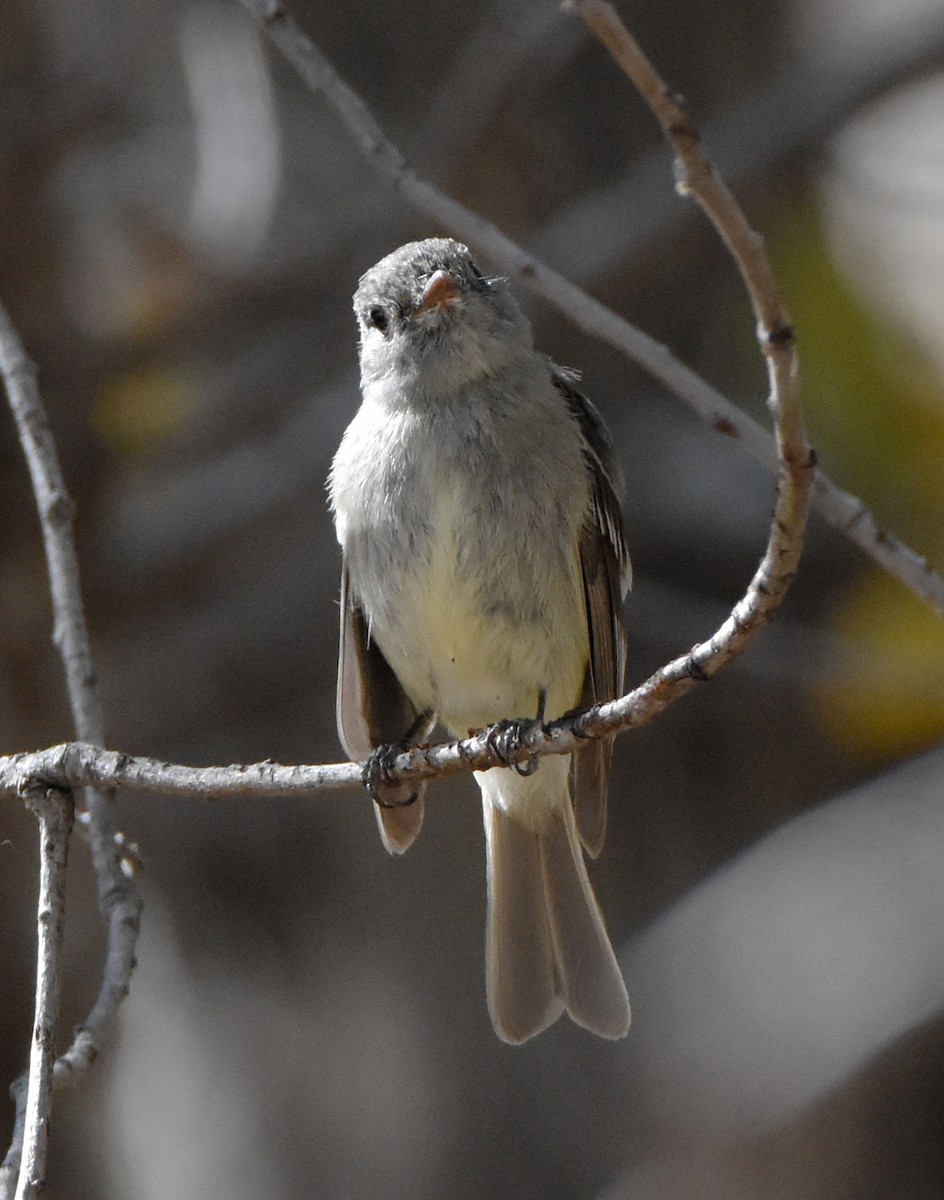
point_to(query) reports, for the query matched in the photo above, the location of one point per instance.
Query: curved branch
(696, 176)
(835, 505)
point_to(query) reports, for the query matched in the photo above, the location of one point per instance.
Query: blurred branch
(843, 511)
(116, 894)
(508, 40)
(237, 135)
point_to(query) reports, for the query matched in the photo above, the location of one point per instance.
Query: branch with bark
(33, 1094)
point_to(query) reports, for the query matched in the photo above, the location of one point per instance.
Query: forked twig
(117, 896)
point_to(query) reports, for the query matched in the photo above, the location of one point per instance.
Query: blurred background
(181, 228)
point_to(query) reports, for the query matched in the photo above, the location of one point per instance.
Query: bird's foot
(379, 775)
(507, 737)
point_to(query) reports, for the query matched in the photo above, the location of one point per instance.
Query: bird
(476, 500)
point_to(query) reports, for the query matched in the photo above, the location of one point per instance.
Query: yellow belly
(473, 661)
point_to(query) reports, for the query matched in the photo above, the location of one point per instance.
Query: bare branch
(848, 514)
(835, 505)
(117, 897)
(53, 809)
(698, 177)
(78, 764)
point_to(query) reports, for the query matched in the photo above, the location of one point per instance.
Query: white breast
(475, 621)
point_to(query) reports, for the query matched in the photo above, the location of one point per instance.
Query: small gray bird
(475, 499)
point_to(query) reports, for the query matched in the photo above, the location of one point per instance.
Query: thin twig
(53, 808)
(835, 505)
(117, 896)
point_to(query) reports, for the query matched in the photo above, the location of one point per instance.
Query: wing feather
(605, 566)
(373, 710)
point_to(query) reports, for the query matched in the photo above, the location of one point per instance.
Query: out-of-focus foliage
(887, 698)
(873, 399)
(138, 410)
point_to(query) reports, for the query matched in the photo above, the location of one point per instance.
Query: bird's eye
(377, 317)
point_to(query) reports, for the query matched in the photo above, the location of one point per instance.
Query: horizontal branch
(78, 764)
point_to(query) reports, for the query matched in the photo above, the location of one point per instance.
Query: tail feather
(547, 949)
(588, 975)
(520, 977)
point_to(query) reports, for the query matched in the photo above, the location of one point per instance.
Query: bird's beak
(441, 291)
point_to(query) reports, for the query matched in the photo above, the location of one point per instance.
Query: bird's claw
(378, 777)
(507, 737)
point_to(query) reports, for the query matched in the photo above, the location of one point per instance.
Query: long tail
(547, 950)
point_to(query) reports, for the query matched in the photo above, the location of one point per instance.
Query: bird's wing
(373, 710)
(605, 565)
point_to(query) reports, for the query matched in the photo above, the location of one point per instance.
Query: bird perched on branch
(476, 501)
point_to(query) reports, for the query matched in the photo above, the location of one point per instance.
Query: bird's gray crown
(401, 277)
